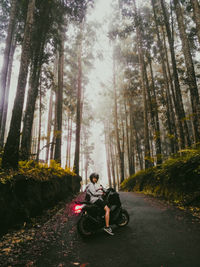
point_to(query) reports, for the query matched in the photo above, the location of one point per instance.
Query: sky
(101, 73)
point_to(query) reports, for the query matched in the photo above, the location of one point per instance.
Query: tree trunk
(6, 57)
(168, 97)
(39, 126)
(50, 113)
(69, 135)
(107, 155)
(11, 151)
(59, 101)
(178, 102)
(191, 78)
(147, 159)
(155, 113)
(112, 163)
(153, 109)
(178, 107)
(37, 61)
(116, 167)
(29, 112)
(5, 107)
(132, 145)
(127, 137)
(120, 152)
(196, 13)
(78, 109)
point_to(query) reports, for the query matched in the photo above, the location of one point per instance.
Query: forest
(149, 108)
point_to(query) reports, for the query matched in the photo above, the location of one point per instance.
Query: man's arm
(91, 190)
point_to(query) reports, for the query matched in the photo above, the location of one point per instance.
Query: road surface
(157, 235)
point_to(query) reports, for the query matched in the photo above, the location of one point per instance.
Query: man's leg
(107, 215)
(107, 229)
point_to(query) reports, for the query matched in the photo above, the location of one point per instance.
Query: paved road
(157, 235)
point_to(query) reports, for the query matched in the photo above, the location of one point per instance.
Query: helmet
(94, 175)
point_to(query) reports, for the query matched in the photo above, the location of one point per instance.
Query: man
(96, 192)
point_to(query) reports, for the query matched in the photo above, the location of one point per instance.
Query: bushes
(33, 188)
(177, 179)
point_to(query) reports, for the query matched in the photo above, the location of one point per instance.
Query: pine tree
(11, 151)
(191, 77)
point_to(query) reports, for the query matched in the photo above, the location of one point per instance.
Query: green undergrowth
(177, 179)
(35, 170)
(33, 188)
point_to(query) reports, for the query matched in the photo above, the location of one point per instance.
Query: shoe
(108, 230)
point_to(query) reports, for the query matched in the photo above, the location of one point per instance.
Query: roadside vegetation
(34, 187)
(177, 179)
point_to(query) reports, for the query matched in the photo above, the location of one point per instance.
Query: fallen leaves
(25, 246)
(6, 250)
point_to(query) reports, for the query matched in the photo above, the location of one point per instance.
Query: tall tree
(49, 124)
(78, 108)
(157, 135)
(191, 77)
(196, 13)
(107, 153)
(59, 103)
(147, 155)
(116, 118)
(6, 57)
(178, 102)
(166, 82)
(43, 28)
(39, 124)
(5, 106)
(11, 151)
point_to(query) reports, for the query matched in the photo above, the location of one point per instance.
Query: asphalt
(158, 235)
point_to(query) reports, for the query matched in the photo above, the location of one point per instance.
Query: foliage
(37, 171)
(177, 179)
(33, 188)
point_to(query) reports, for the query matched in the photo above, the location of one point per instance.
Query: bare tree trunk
(130, 152)
(178, 107)
(155, 112)
(117, 167)
(5, 107)
(59, 101)
(119, 149)
(153, 109)
(178, 102)
(168, 97)
(78, 108)
(29, 113)
(67, 150)
(112, 164)
(191, 78)
(6, 57)
(49, 124)
(39, 127)
(138, 145)
(196, 13)
(36, 66)
(131, 142)
(52, 144)
(107, 155)
(70, 142)
(147, 154)
(11, 151)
